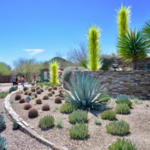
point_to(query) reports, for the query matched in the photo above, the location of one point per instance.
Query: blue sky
(41, 28)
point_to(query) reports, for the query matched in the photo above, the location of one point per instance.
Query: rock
(27, 99)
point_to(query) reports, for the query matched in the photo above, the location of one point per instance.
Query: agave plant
(86, 92)
(3, 143)
(2, 122)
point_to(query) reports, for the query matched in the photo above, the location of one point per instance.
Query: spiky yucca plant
(133, 47)
(86, 92)
(123, 20)
(54, 66)
(3, 143)
(146, 31)
(93, 37)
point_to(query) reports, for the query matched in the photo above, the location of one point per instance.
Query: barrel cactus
(3, 143)
(86, 92)
(2, 122)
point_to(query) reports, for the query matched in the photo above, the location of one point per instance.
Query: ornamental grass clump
(68, 108)
(46, 122)
(78, 116)
(124, 99)
(86, 92)
(54, 66)
(3, 143)
(2, 123)
(79, 131)
(122, 109)
(108, 114)
(122, 144)
(118, 128)
(97, 121)
(59, 123)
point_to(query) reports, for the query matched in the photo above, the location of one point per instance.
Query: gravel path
(18, 140)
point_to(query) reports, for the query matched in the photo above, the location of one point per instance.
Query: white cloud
(34, 51)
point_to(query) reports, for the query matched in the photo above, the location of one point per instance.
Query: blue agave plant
(86, 92)
(3, 143)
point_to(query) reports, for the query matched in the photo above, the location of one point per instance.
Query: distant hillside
(63, 63)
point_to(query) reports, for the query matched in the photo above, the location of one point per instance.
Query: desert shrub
(12, 89)
(122, 97)
(125, 101)
(38, 92)
(68, 108)
(3, 143)
(45, 107)
(29, 93)
(42, 90)
(137, 101)
(118, 128)
(21, 100)
(58, 100)
(79, 131)
(45, 97)
(37, 88)
(38, 101)
(55, 108)
(15, 126)
(17, 97)
(46, 122)
(4, 94)
(25, 88)
(97, 121)
(108, 114)
(50, 89)
(33, 112)
(122, 109)
(32, 90)
(50, 94)
(55, 88)
(78, 116)
(2, 123)
(122, 144)
(59, 123)
(53, 92)
(27, 106)
(26, 92)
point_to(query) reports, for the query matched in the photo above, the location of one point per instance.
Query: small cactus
(38, 92)
(27, 106)
(45, 97)
(17, 97)
(38, 101)
(45, 107)
(33, 113)
(21, 100)
(58, 100)
(25, 88)
(55, 88)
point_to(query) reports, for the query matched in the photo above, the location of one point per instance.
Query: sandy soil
(98, 139)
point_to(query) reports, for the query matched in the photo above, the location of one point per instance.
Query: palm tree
(133, 47)
(146, 31)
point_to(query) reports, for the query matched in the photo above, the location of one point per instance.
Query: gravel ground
(98, 139)
(18, 140)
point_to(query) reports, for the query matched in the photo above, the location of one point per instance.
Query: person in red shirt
(22, 81)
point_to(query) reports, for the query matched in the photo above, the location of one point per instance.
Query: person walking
(22, 81)
(16, 82)
(34, 78)
(13, 80)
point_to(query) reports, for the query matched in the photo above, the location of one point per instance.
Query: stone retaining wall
(135, 83)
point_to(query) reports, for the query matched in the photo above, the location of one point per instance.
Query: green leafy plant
(108, 114)
(93, 37)
(125, 101)
(54, 66)
(78, 116)
(112, 101)
(122, 109)
(68, 108)
(79, 131)
(59, 123)
(86, 92)
(3, 143)
(15, 126)
(55, 108)
(2, 123)
(122, 144)
(4, 94)
(12, 89)
(118, 128)
(46, 122)
(137, 101)
(97, 121)
(133, 47)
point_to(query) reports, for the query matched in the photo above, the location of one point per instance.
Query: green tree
(146, 31)
(93, 37)
(133, 47)
(4, 69)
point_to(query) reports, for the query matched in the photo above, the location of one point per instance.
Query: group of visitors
(15, 81)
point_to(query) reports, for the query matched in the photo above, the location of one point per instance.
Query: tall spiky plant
(93, 37)
(123, 20)
(54, 66)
